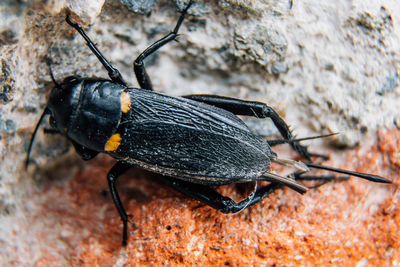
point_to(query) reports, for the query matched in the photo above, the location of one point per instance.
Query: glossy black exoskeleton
(195, 141)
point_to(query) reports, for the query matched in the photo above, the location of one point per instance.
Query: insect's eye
(52, 122)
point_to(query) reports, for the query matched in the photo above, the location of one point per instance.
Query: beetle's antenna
(51, 74)
(45, 112)
(284, 141)
(370, 177)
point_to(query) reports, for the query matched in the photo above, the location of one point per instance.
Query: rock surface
(325, 67)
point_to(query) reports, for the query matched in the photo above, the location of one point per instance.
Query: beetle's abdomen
(98, 114)
(187, 139)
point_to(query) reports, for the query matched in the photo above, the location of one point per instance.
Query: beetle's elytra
(195, 141)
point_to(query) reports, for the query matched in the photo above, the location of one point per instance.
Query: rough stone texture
(72, 221)
(140, 7)
(325, 66)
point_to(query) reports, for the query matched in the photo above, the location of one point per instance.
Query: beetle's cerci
(195, 141)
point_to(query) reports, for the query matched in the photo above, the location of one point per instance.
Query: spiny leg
(209, 196)
(138, 66)
(275, 142)
(367, 176)
(118, 169)
(113, 73)
(323, 179)
(254, 109)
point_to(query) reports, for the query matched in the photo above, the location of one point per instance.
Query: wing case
(188, 139)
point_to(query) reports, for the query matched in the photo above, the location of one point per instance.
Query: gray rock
(140, 6)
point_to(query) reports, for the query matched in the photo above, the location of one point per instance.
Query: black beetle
(195, 141)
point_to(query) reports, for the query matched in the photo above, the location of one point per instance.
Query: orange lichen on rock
(389, 145)
(340, 223)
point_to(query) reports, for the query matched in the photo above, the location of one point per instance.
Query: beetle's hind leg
(113, 73)
(323, 179)
(209, 196)
(138, 66)
(254, 109)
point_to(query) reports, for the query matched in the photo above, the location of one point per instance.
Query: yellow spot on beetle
(113, 143)
(125, 102)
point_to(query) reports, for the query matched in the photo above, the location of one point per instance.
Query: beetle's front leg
(113, 73)
(254, 109)
(118, 169)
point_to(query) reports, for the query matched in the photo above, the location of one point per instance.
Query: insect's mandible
(195, 141)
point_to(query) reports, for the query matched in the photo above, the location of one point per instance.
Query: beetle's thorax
(88, 111)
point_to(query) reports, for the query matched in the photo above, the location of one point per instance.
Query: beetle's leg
(138, 66)
(255, 109)
(279, 142)
(209, 196)
(212, 198)
(299, 176)
(114, 74)
(48, 62)
(118, 169)
(84, 152)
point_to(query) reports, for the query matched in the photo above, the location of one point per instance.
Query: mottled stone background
(325, 66)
